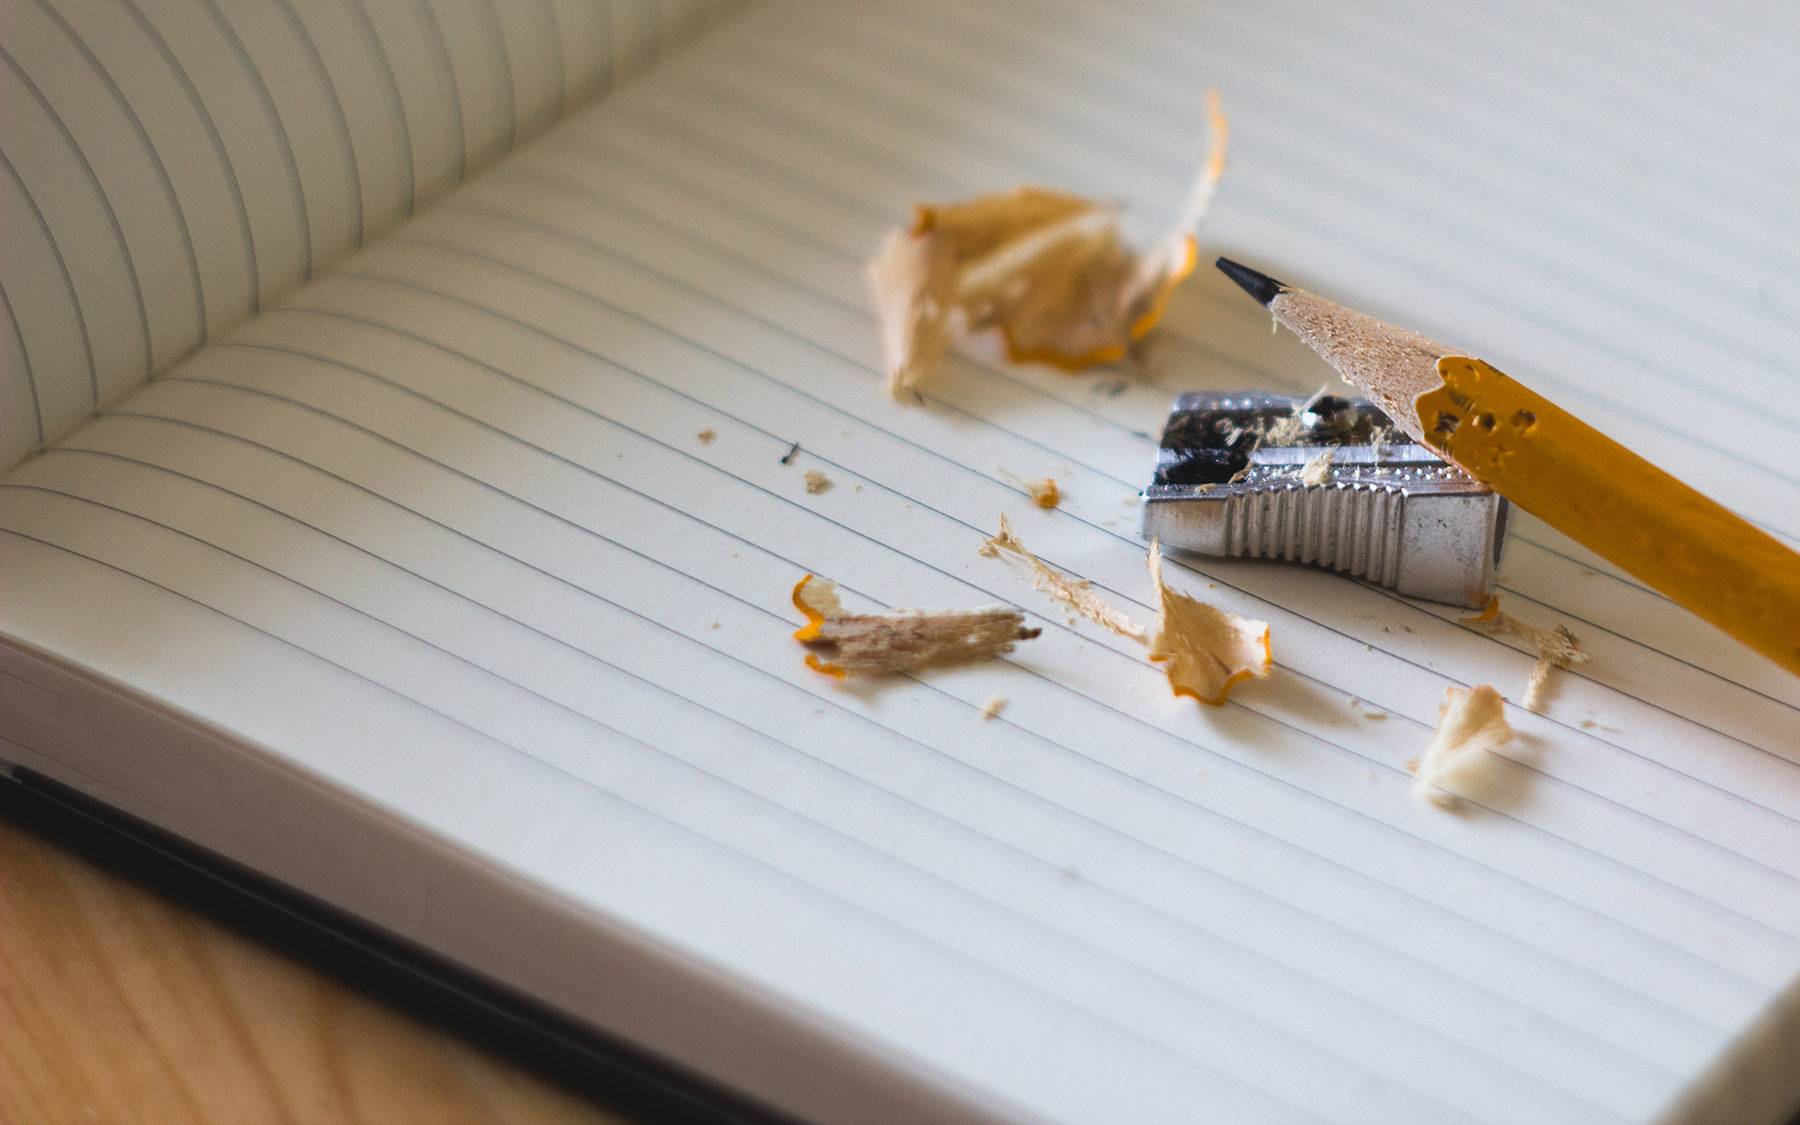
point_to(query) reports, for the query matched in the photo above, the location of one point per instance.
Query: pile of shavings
(1471, 727)
(1048, 268)
(1557, 648)
(1204, 650)
(880, 644)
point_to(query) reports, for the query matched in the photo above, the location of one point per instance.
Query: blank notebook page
(444, 529)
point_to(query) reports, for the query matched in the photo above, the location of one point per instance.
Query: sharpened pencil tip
(1258, 285)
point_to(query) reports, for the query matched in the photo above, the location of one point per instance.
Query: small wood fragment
(1317, 469)
(994, 705)
(816, 481)
(1286, 429)
(1074, 593)
(1204, 650)
(1557, 647)
(706, 437)
(1042, 490)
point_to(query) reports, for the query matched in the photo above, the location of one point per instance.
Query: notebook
(360, 527)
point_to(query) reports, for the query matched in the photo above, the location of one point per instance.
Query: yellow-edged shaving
(1208, 650)
(868, 644)
(1047, 268)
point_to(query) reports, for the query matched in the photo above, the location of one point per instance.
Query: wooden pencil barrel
(1619, 505)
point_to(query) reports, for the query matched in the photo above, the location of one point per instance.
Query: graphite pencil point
(1259, 285)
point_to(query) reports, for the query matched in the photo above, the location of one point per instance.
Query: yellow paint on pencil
(1628, 511)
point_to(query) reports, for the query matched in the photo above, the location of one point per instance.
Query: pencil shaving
(903, 641)
(1207, 649)
(1072, 592)
(1203, 650)
(817, 598)
(915, 286)
(1042, 490)
(1047, 268)
(1557, 647)
(1290, 426)
(1318, 467)
(1471, 726)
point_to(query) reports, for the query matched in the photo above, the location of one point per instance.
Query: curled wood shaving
(1207, 649)
(903, 641)
(1471, 724)
(1047, 268)
(1203, 649)
(1557, 648)
(1072, 592)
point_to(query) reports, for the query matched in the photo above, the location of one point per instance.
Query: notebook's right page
(1601, 200)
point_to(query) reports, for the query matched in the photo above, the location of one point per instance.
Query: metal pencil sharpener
(1245, 473)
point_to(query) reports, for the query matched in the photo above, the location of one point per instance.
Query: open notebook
(408, 581)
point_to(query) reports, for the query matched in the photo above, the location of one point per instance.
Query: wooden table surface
(116, 1006)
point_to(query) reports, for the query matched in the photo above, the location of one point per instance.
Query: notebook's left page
(171, 167)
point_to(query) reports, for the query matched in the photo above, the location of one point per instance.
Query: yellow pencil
(1558, 468)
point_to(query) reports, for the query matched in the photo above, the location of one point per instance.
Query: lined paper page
(171, 166)
(462, 473)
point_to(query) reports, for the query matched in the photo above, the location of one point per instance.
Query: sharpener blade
(1229, 482)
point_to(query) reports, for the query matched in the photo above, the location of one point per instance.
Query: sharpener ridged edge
(1353, 528)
